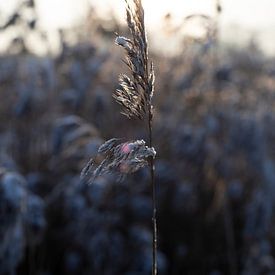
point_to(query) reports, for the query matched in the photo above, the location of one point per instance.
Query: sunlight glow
(243, 16)
(247, 13)
(60, 13)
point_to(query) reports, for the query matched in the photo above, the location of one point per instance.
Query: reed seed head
(119, 159)
(135, 92)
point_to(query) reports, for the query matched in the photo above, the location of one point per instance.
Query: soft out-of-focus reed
(214, 117)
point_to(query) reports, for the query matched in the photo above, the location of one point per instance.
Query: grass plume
(135, 96)
(136, 93)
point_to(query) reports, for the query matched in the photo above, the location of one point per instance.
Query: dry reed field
(178, 178)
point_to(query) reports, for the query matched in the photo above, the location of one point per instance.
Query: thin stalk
(153, 186)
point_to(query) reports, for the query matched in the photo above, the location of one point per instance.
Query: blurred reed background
(214, 136)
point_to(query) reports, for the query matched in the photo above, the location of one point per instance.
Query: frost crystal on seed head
(123, 41)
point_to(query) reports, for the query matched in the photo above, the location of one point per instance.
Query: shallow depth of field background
(213, 133)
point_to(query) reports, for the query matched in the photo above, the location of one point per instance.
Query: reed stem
(153, 186)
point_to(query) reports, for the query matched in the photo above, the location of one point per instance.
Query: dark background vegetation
(215, 170)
